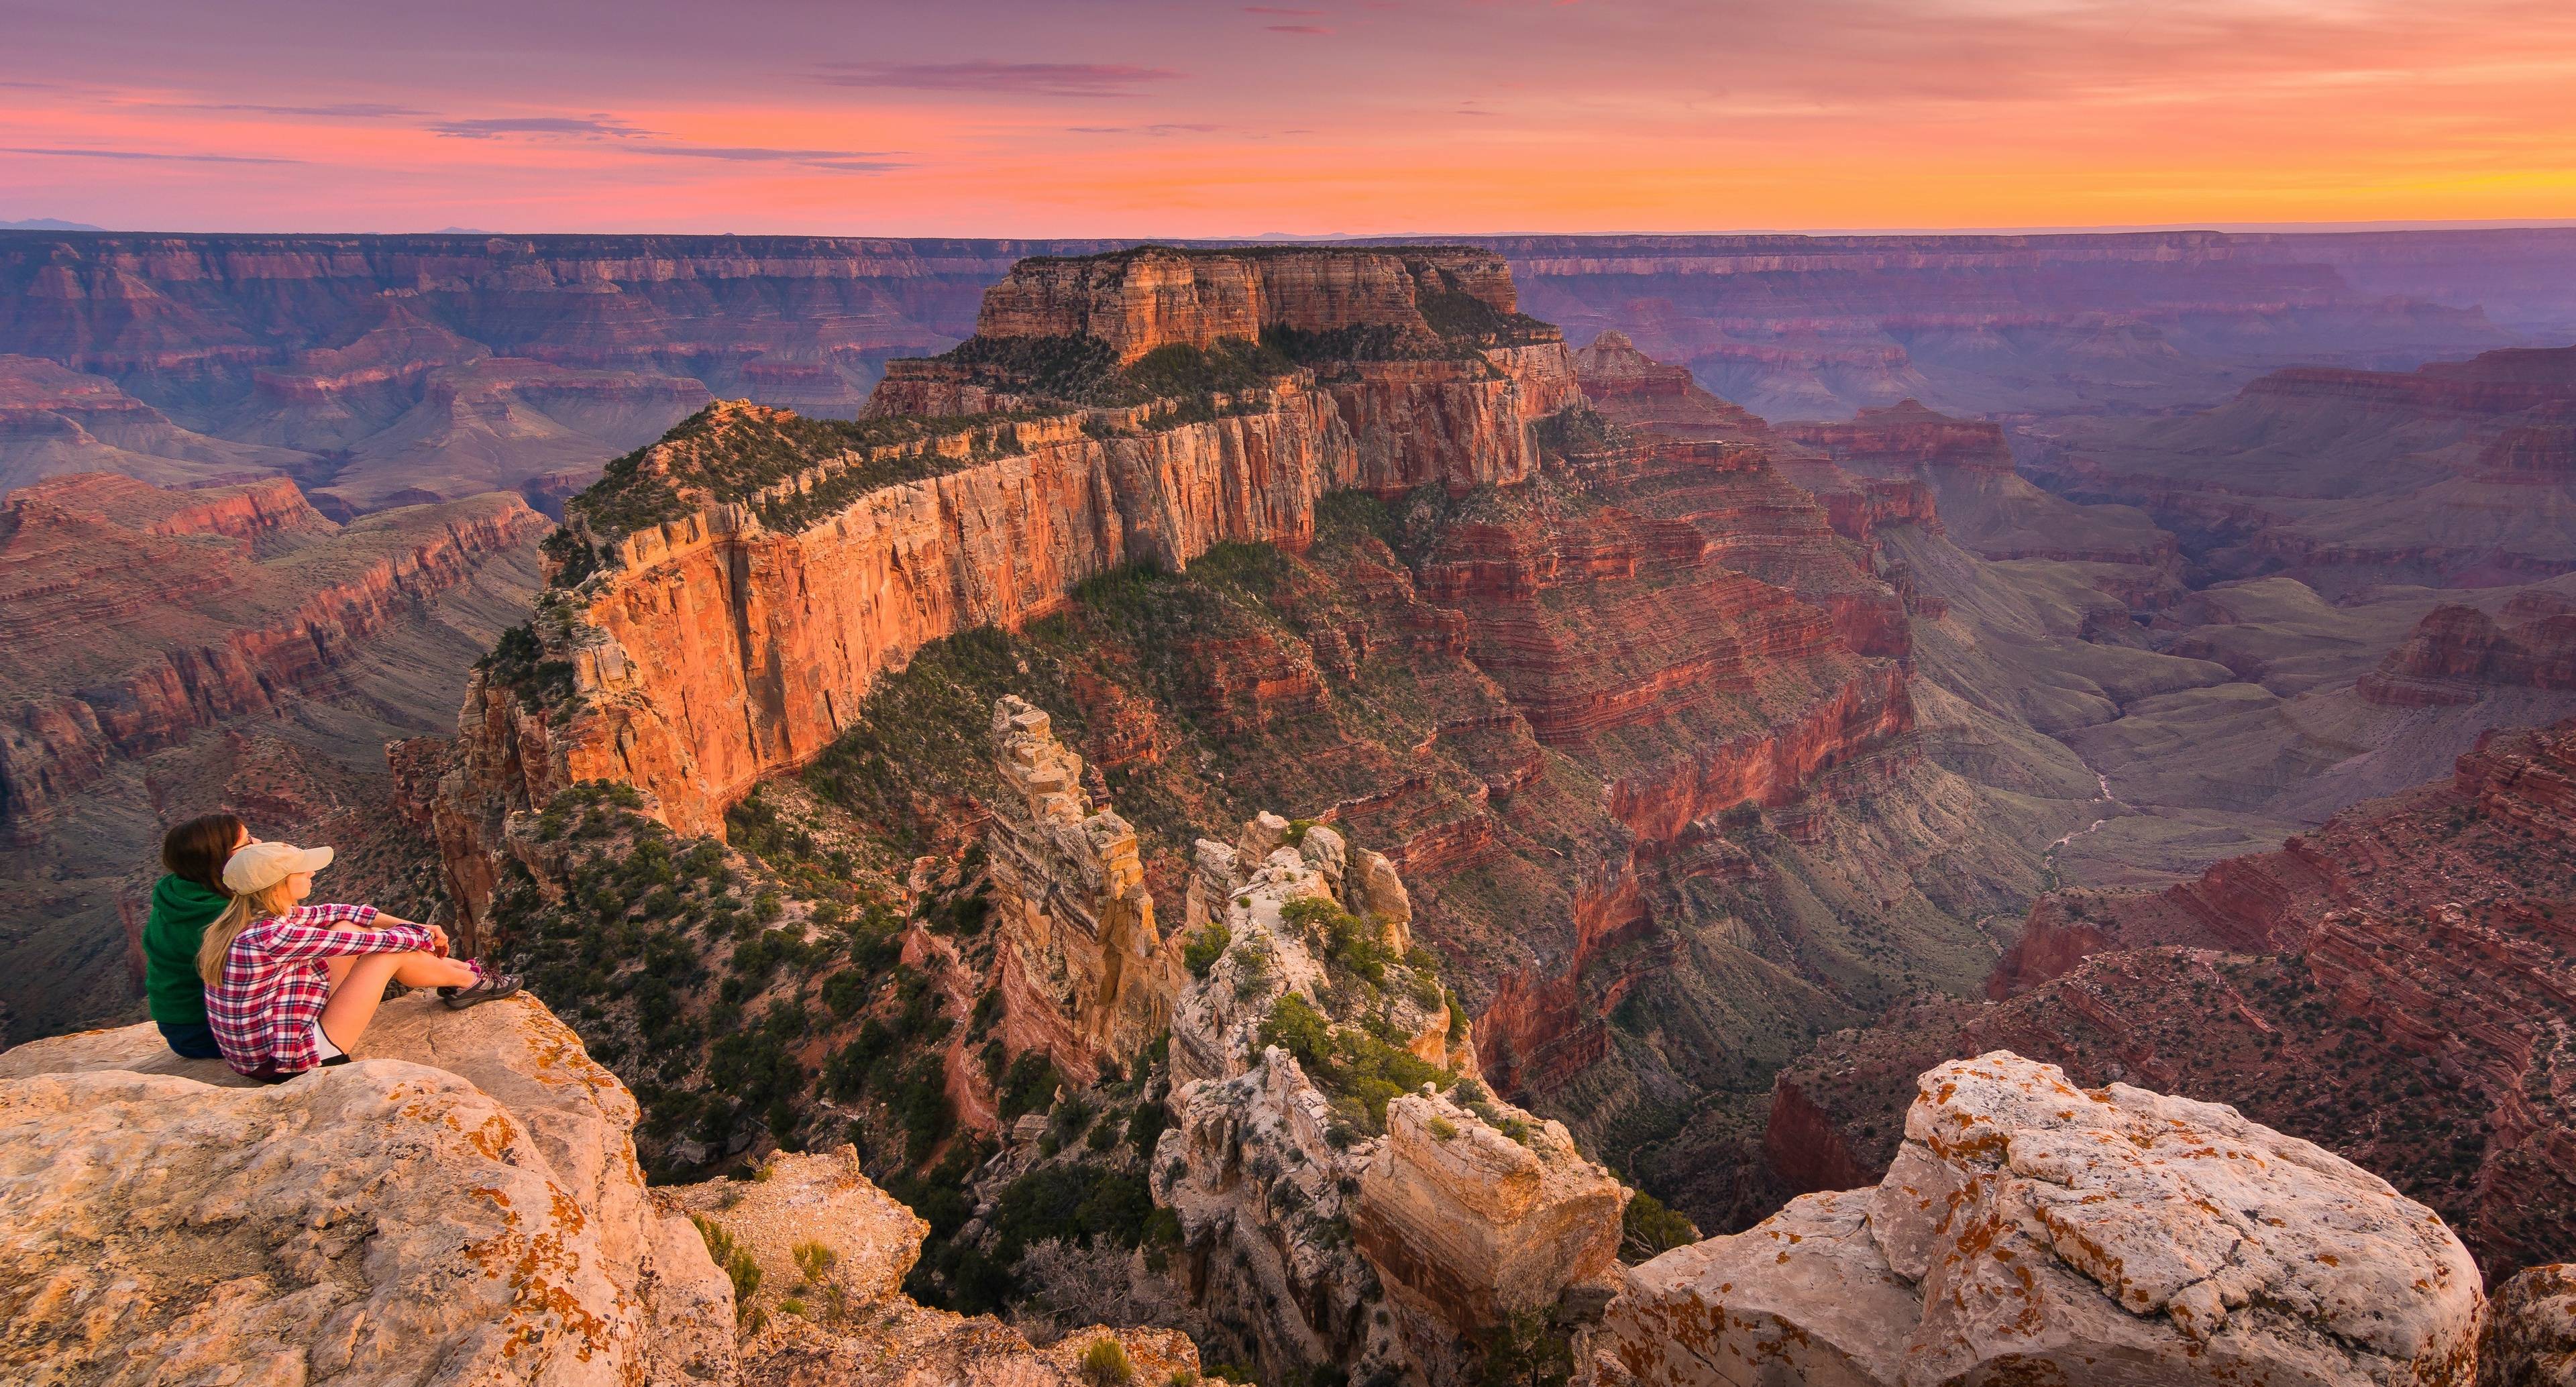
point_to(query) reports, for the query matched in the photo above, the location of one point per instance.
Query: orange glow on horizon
(1418, 117)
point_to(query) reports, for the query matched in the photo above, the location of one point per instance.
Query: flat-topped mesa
(1084, 975)
(1221, 329)
(1908, 434)
(722, 601)
(1423, 299)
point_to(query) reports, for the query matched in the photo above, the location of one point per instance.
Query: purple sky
(1088, 117)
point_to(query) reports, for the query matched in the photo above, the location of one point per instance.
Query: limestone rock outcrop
(1379, 1240)
(1084, 974)
(2031, 1230)
(2530, 1339)
(466, 1196)
(461, 1205)
(1470, 1224)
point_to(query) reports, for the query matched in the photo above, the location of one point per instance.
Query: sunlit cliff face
(1128, 118)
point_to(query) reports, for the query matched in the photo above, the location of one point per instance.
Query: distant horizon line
(1279, 237)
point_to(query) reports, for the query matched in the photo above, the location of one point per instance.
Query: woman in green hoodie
(183, 904)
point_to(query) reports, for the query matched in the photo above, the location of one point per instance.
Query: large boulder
(828, 1309)
(460, 1205)
(2033, 1231)
(2530, 1338)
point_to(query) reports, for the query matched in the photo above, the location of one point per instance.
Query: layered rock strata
(2393, 985)
(727, 629)
(2033, 1230)
(134, 616)
(2453, 475)
(2456, 653)
(1085, 976)
(1136, 301)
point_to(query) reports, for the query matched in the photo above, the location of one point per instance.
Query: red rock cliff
(732, 633)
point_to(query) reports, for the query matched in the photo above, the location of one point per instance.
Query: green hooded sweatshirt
(181, 910)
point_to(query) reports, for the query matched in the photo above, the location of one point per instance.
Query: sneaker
(493, 987)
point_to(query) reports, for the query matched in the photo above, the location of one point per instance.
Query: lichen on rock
(2033, 1230)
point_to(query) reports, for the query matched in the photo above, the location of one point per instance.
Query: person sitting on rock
(290, 987)
(187, 898)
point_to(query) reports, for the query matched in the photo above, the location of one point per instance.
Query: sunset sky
(1110, 118)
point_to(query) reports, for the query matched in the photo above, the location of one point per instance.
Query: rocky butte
(727, 597)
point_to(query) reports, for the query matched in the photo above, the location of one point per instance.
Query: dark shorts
(271, 1076)
(190, 1040)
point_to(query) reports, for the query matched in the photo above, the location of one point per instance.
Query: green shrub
(1648, 1228)
(1348, 1061)
(1104, 1364)
(1206, 947)
(1029, 1086)
(734, 1259)
(1356, 946)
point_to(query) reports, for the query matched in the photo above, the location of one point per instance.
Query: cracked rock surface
(2033, 1231)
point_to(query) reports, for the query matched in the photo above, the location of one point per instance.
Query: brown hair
(272, 899)
(195, 850)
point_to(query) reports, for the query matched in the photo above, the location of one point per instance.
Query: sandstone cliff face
(1084, 973)
(135, 617)
(2034, 1230)
(712, 649)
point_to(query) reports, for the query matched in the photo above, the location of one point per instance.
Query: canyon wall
(380, 370)
(2392, 985)
(136, 617)
(2452, 475)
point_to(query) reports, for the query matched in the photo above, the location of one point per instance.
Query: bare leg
(417, 970)
(358, 987)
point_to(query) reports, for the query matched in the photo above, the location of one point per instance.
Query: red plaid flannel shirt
(275, 984)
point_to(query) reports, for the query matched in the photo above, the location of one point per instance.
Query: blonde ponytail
(245, 908)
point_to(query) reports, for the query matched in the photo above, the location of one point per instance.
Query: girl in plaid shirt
(291, 987)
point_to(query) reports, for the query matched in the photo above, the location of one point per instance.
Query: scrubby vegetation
(730, 453)
(699, 972)
(1648, 1229)
(1359, 1068)
(517, 662)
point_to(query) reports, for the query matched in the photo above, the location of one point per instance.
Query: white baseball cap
(258, 866)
